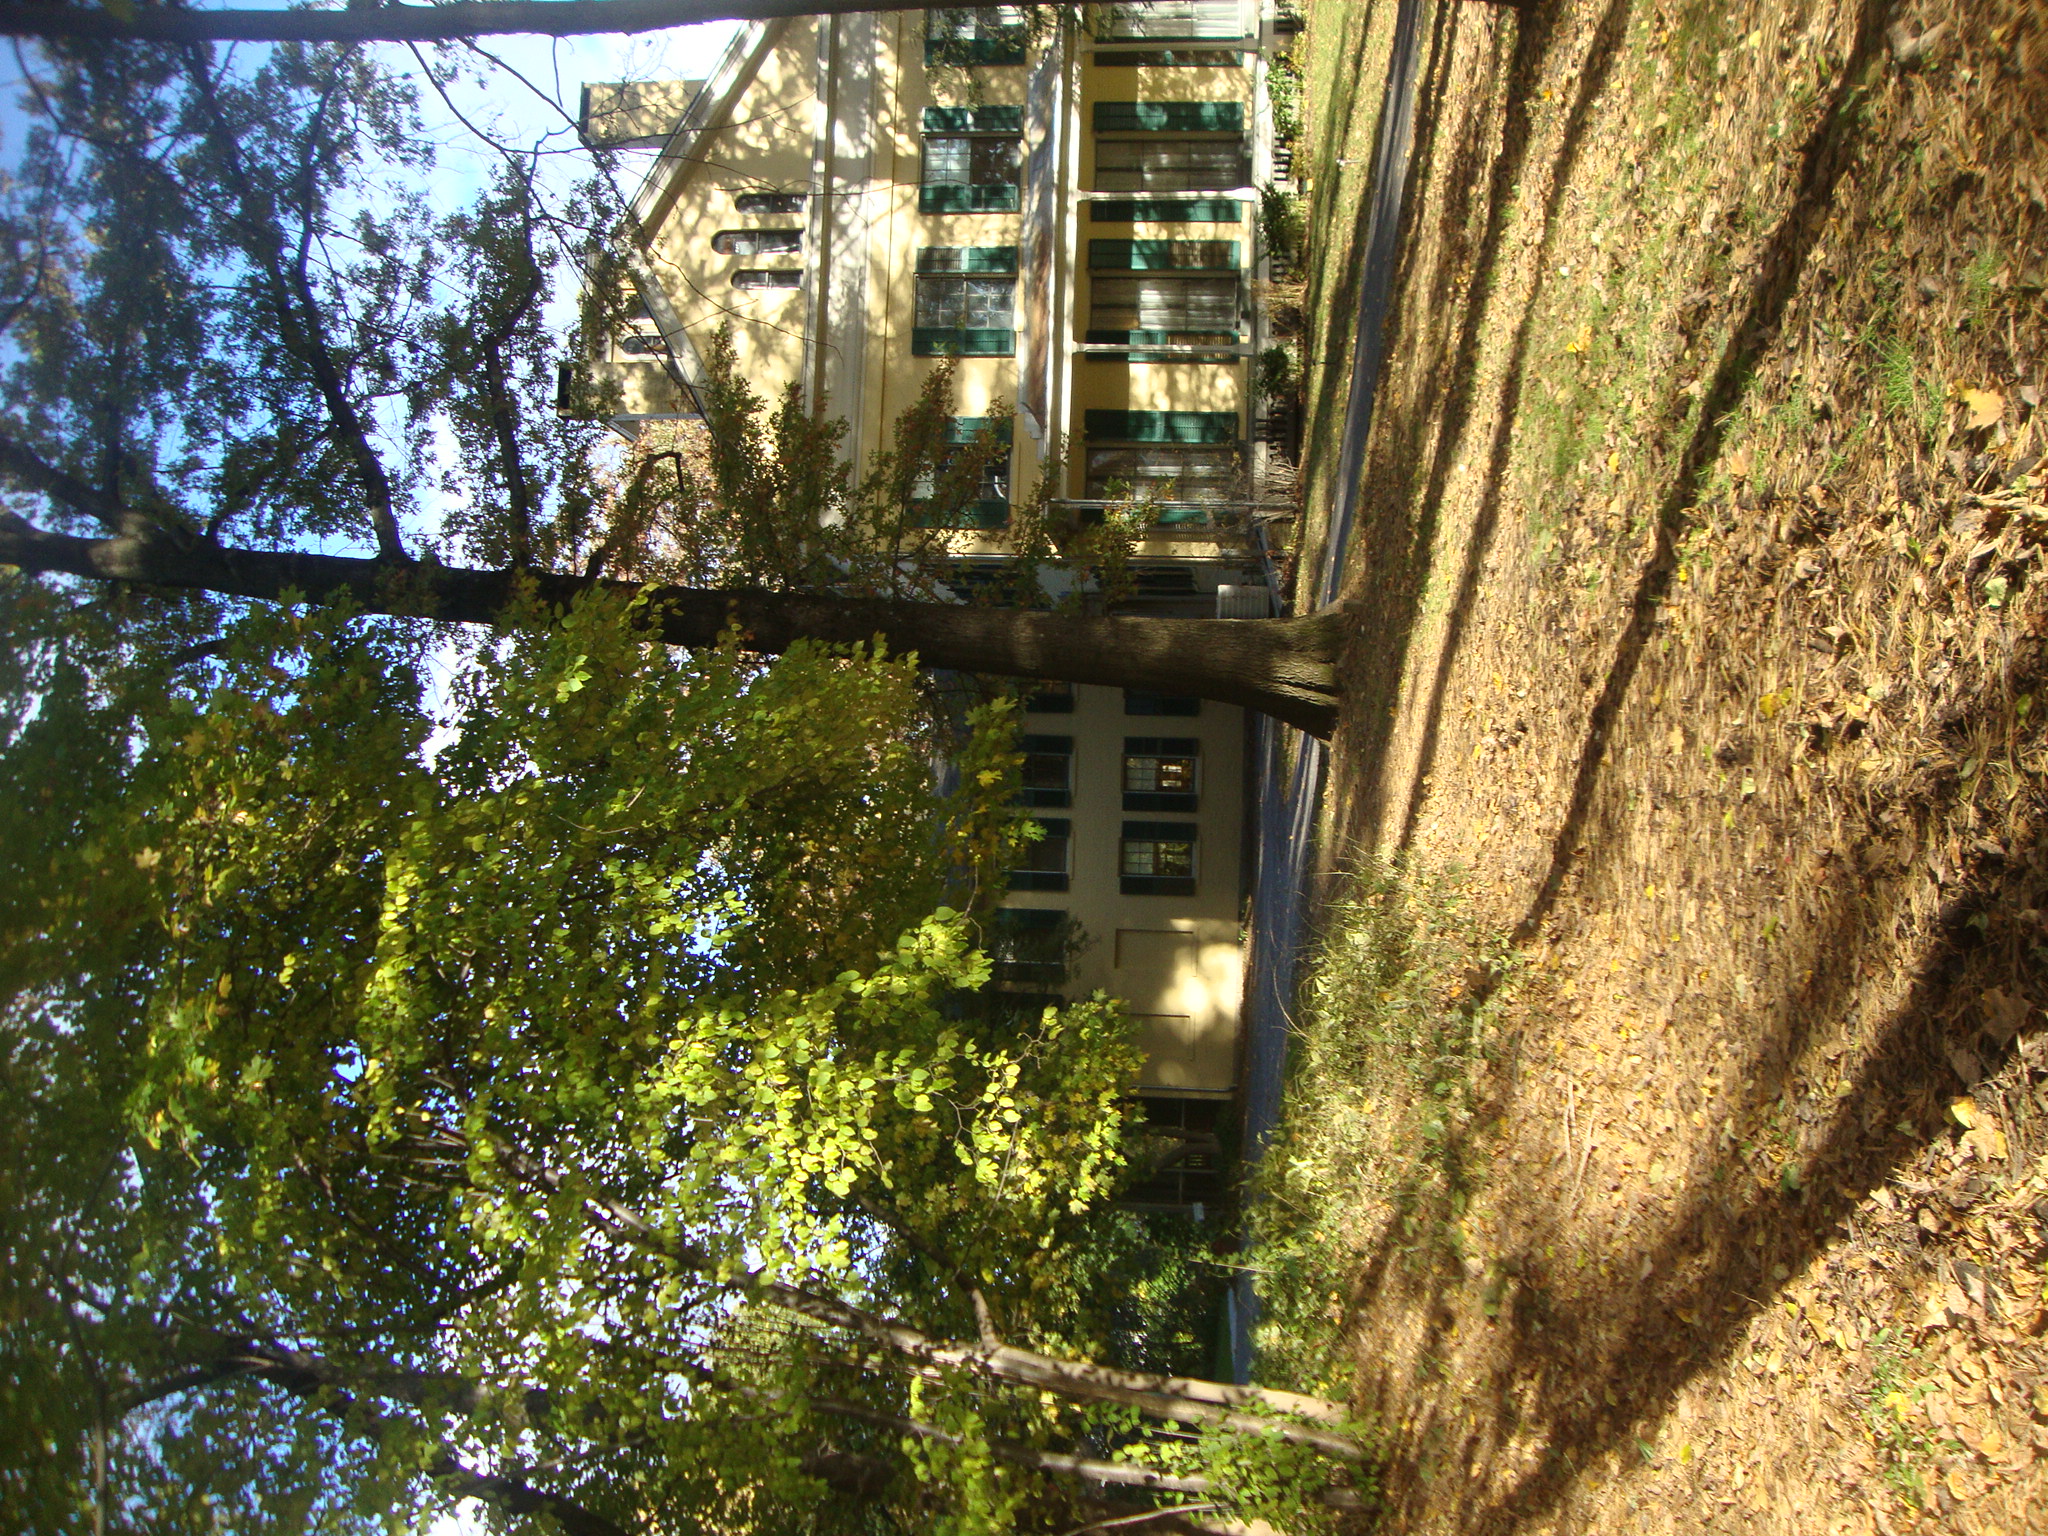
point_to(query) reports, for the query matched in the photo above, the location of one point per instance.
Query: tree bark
(1283, 667)
(409, 23)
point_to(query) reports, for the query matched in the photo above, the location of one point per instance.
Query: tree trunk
(1283, 667)
(408, 23)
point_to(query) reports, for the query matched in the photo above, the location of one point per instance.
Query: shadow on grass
(1729, 1242)
(1335, 308)
(1390, 552)
(1593, 76)
(1725, 1251)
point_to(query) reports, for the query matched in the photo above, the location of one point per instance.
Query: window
(1163, 309)
(769, 202)
(969, 175)
(1173, 456)
(642, 344)
(1043, 865)
(992, 34)
(768, 277)
(989, 504)
(1170, 304)
(1048, 777)
(1050, 699)
(758, 242)
(1171, 165)
(1160, 773)
(1176, 19)
(1166, 472)
(1030, 945)
(1138, 701)
(970, 159)
(1162, 255)
(966, 302)
(1158, 858)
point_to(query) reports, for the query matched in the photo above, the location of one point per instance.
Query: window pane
(758, 242)
(1146, 857)
(940, 302)
(755, 277)
(994, 161)
(769, 202)
(1170, 165)
(1163, 303)
(989, 303)
(946, 161)
(1152, 469)
(1165, 775)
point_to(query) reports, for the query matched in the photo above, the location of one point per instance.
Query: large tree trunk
(1283, 667)
(408, 23)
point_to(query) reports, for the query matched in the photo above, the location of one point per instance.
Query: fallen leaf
(1984, 407)
(1989, 1141)
(1964, 1110)
(2004, 1014)
(1965, 1064)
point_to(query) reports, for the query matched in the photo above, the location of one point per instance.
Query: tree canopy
(573, 1108)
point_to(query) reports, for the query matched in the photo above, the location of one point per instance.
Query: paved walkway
(1288, 796)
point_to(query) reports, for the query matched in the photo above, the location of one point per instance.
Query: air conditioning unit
(1244, 602)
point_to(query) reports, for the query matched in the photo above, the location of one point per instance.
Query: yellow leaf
(1984, 407)
(1964, 1110)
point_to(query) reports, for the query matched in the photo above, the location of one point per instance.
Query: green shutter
(1159, 831)
(950, 341)
(1162, 255)
(967, 258)
(963, 430)
(1160, 426)
(1005, 49)
(955, 197)
(973, 119)
(1169, 117)
(1185, 210)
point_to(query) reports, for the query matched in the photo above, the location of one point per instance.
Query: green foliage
(1276, 379)
(1144, 1289)
(1283, 95)
(1402, 1009)
(1283, 223)
(374, 1033)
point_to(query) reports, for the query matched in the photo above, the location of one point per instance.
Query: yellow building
(1070, 214)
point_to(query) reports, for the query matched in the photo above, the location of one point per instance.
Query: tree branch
(301, 325)
(410, 23)
(32, 471)
(1176, 1399)
(336, 1389)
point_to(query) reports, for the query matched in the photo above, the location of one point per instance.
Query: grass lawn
(1665, 1144)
